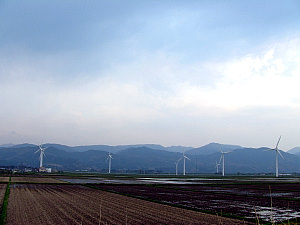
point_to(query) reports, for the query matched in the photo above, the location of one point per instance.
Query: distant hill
(212, 148)
(295, 151)
(114, 149)
(22, 145)
(146, 158)
(243, 160)
(178, 148)
(6, 145)
(117, 148)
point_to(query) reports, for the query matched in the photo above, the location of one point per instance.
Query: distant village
(23, 169)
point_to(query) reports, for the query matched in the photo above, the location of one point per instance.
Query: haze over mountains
(151, 158)
(295, 151)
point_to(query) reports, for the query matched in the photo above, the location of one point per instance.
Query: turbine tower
(109, 158)
(184, 157)
(217, 166)
(277, 153)
(42, 154)
(223, 161)
(176, 164)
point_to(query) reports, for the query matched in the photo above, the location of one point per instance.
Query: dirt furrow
(75, 204)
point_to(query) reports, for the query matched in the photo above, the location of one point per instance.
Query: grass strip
(4, 204)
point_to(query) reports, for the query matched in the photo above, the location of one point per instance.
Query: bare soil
(242, 200)
(35, 180)
(4, 179)
(2, 192)
(75, 204)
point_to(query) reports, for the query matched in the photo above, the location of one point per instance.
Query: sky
(166, 72)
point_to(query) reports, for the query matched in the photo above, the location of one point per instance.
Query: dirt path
(74, 204)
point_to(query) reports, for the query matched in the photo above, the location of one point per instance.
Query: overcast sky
(155, 71)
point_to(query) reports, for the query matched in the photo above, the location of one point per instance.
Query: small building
(45, 170)
(28, 170)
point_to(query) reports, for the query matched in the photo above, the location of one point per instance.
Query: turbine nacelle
(109, 156)
(276, 148)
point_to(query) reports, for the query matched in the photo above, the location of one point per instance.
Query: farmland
(244, 200)
(122, 199)
(4, 179)
(76, 204)
(35, 180)
(2, 191)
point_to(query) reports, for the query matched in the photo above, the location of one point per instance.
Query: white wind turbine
(277, 153)
(42, 154)
(109, 158)
(176, 164)
(184, 157)
(223, 161)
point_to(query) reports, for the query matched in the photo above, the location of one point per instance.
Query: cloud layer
(179, 75)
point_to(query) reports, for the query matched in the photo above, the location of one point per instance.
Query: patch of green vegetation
(4, 204)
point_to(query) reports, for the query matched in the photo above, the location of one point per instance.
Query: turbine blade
(278, 142)
(280, 154)
(36, 151)
(220, 159)
(187, 157)
(270, 149)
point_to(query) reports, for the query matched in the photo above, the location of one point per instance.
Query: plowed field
(250, 201)
(2, 192)
(4, 179)
(35, 180)
(75, 204)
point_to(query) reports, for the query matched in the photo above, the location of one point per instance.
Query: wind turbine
(42, 154)
(223, 161)
(109, 158)
(176, 164)
(184, 157)
(277, 153)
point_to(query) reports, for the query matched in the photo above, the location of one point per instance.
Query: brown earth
(2, 192)
(241, 200)
(35, 180)
(4, 179)
(75, 204)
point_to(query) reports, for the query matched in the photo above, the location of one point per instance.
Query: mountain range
(150, 157)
